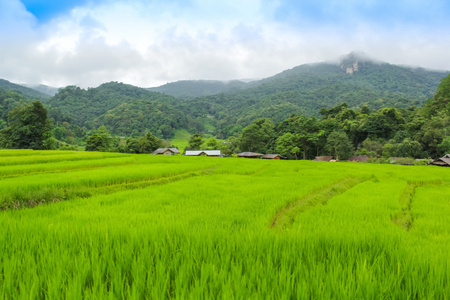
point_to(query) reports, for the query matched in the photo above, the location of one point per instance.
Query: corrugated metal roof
(206, 152)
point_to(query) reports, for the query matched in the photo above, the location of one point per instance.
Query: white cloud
(149, 43)
(15, 21)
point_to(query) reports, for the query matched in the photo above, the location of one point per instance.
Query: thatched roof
(163, 150)
(271, 156)
(443, 161)
(250, 154)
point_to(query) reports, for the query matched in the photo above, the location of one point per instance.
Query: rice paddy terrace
(106, 225)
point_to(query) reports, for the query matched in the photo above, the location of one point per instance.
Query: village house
(210, 153)
(272, 156)
(443, 161)
(166, 151)
(250, 155)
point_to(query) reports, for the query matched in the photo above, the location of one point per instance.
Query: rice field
(80, 225)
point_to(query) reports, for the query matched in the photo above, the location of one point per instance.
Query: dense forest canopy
(5, 85)
(308, 88)
(29, 128)
(125, 109)
(369, 107)
(198, 88)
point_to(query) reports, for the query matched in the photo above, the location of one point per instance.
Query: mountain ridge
(22, 90)
(45, 89)
(226, 107)
(198, 88)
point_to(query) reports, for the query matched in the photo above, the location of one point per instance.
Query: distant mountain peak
(352, 62)
(356, 56)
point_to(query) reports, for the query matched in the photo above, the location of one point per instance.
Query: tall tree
(441, 99)
(196, 142)
(307, 133)
(431, 135)
(99, 141)
(212, 144)
(287, 145)
(384, 123)
(149, 143)
(29, 128)
(257, 136)
(444, 147)
(339, 145)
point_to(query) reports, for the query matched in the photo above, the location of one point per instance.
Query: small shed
(359, 158)
(166, 151)
(443, 161)
(271, 156)
(250, 154)
(210, 153)
(323, 158)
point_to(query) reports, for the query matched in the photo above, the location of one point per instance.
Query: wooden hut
(166, 151)
(443, 161)
(250, 154)
(271, 156)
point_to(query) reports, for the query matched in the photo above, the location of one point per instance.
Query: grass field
(103, 225)
(181, 139)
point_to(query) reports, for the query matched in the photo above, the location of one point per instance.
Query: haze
(150, 43)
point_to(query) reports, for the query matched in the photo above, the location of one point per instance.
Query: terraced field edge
(285, 217)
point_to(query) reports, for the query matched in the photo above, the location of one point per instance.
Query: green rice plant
(67, 185)
(63, 166)
(30, 152)
(189, 236)
(39, 159)
(431, 212)
(285, 218)
(404, 218)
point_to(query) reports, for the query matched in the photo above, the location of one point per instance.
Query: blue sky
(151, 42)
(45, 10)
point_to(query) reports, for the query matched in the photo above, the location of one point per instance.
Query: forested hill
(198, 88)
(307, 88)
(48, 90)
(124, 109)
(127, 110)
(5, 85)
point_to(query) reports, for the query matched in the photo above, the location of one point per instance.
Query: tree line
(343, 132)
(340, 131)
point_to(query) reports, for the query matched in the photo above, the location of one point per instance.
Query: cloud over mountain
(148, 43)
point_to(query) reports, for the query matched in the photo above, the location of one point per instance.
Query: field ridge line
(286, 216)
(103, 190)
(404, 218)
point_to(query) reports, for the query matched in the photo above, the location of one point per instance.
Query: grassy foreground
(102, 225)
